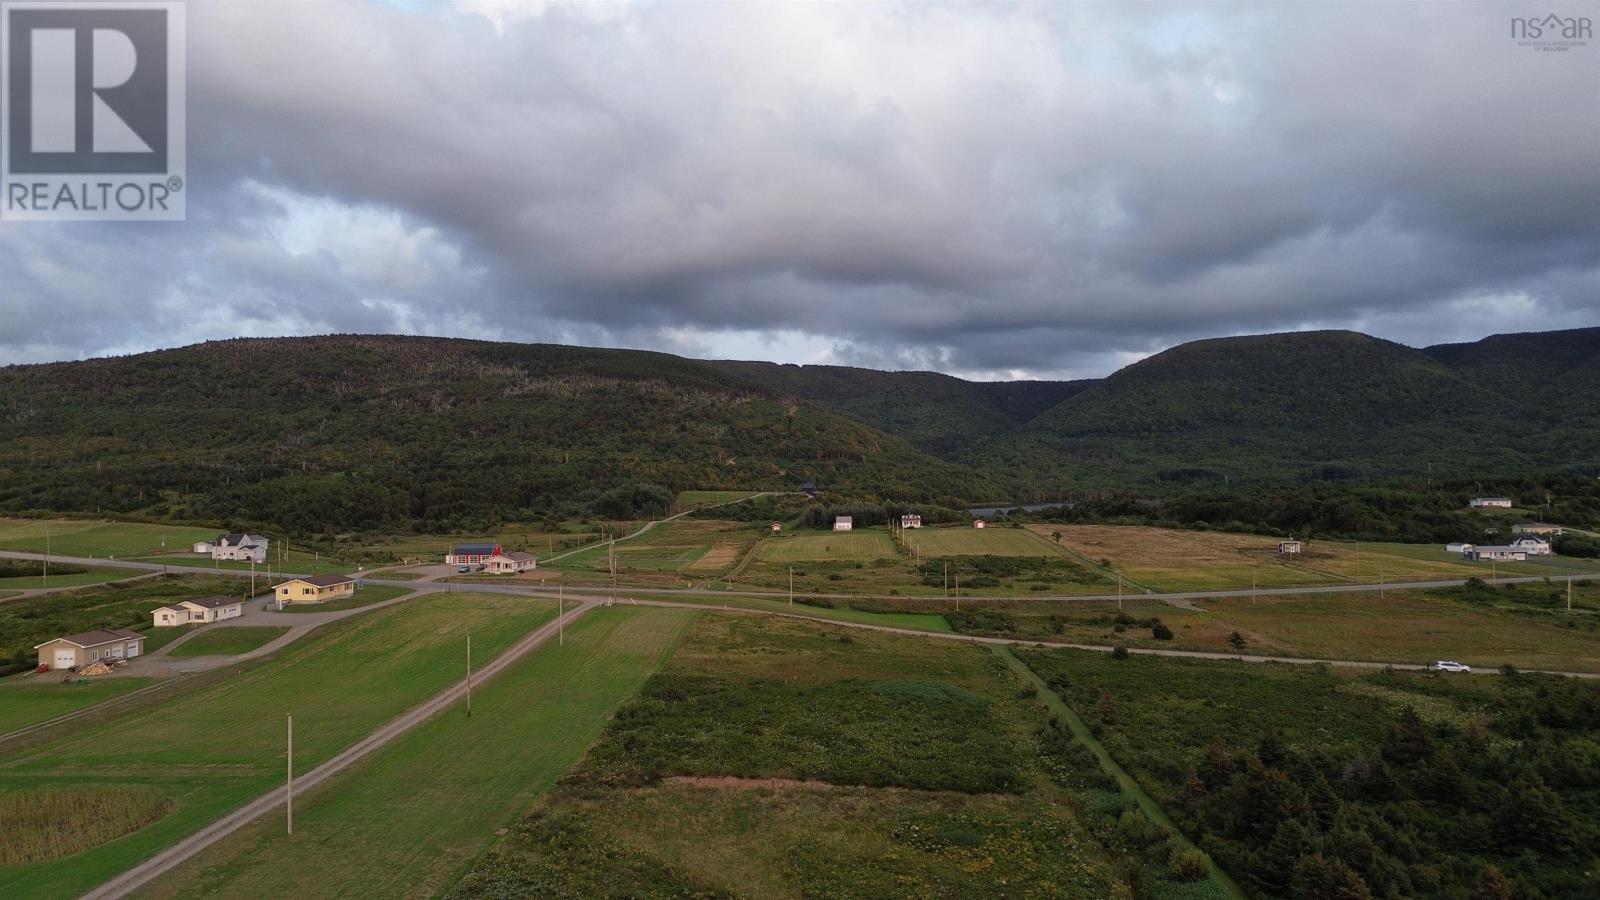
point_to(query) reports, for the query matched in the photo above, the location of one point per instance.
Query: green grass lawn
(33, 620)
(229, 640)
(25, 700)
(849, 546)
(89, 575)
(528, 726)
(297, 561)
(967, 541)
(75, 537)
(366, 595)
(339, 683)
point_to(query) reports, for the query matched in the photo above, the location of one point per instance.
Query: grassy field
(25, 700)
(1165, 559)
(75, 537)
(339, 683)
(865, 612)
(782, 759)
(365, 595)
(87, 575)
(445, 788)
(937, 542)
(672, 554)
(833, 546)
(34, 620)
(228, 641)
(431, 548)
(298, 561)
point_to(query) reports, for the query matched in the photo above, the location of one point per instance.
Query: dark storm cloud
(1027, 189)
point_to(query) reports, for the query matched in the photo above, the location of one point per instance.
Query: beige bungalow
(90, 646)
(511, 563)
(316, 589)
(205, 609)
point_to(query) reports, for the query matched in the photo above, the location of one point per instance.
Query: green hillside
(346, 432)
(939, 414)
(1301, 406)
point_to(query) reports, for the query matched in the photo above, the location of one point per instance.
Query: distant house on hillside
(1458, 547)
(843, 523)
(1290, 548)
(205, 609)
(1491, 502)
(1496, 554)
(979, 523)
(88, 647)
(777, 527)
(316, 589)
(471, 554)
(511, 563)
(1543, 528)
(1532, 546)
(247, 547)
(911, 520)
(809, 489)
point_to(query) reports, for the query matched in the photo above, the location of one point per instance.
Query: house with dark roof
(205, 609)
(315, 589)
(471, 554)
(247, 547)
(91, 646)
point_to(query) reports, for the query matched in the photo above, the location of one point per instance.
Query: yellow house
(316, 589)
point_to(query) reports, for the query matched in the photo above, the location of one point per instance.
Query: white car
(1446, 665)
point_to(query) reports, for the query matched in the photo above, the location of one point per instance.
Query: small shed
(843, 523)
(777, 527)
(979, 523)
(1290, 548)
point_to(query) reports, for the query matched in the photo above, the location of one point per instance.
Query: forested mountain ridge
(1325, 405)
(353, 431)
(357, 431)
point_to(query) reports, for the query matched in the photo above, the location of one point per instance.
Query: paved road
(161, 863)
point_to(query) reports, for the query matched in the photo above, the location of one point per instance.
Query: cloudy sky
(1031, 190)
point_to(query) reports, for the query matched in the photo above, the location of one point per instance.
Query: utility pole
(288, 791)
(791, 585)
(252, 576)
(1119, 591)
(163, 554)
(1569, 593)
(469, 676)
(44, 575)
(958, 592)
(1380, 581)
(561, 612)
(947, 578)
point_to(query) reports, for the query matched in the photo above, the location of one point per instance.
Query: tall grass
(49, 823)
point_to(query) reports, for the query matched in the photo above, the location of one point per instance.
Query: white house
(511, 563)
(1289, 548)
(1491, 502)
(1458, 547)
(1496, 554)
(248, 547)
(911, 520)
(777, 527)
(843, 523)
(205, 609)
(1539, 528)
(1532, 546)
